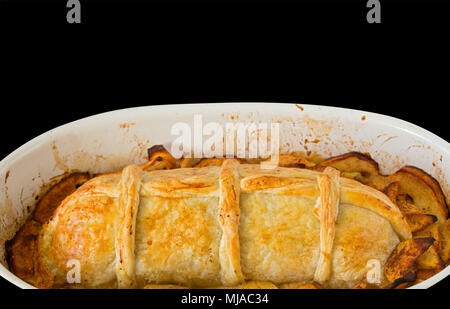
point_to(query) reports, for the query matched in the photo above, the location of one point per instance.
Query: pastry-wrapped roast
(219, 226)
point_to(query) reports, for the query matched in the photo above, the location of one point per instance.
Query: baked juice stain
(127, 125)
(7, 175)
(299, 107)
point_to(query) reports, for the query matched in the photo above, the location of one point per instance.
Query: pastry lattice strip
(125, 236)
(328, 212)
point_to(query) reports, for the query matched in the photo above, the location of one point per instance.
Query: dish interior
(110, 141)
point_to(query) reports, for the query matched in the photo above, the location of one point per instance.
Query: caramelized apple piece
(404, 256)
(404, 281)
(293, 161)
(21, 250)
(359, 166)
(214, 162)
(422, 190)
(187, 162)
(210, 162)
(431, 259)
(22, 255)
(415, 217)
(424, 274)
(159, 159)
(445, 241)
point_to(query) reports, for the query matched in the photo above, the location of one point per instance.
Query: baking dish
(109, 141)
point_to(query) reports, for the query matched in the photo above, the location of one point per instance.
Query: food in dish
(216, 223)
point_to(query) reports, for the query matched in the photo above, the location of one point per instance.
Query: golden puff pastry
(220, 226)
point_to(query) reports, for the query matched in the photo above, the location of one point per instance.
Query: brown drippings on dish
(7, 175)
(387, 140)
(127, 125)
(59, 162)
(299, 107)
(313, 141)
(363, 117)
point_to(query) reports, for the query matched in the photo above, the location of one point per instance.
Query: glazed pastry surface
(220, 226)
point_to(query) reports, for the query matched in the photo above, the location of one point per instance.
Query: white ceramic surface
(109, 141)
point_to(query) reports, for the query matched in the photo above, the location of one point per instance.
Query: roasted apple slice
(358, 166)
(424, 274)
(187, 162)
(21, 250)
(293, 161)
(403, 282)
(431, 259)
(159, 159)
(422, 190)
(214, 162)
(210, 162)
(22, 255)
(404, 257)
(445, 241)
(415, 217)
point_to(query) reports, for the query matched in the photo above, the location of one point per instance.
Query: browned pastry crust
(419, 198)
(229, 213)
(328, 213)
(155, 219)
(22, 250)
(128, 206)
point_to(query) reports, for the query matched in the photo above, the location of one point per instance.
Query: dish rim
(386, 120)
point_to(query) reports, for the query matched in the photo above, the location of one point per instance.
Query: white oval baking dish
(109, 141)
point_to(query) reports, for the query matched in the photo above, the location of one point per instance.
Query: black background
(134, 53)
